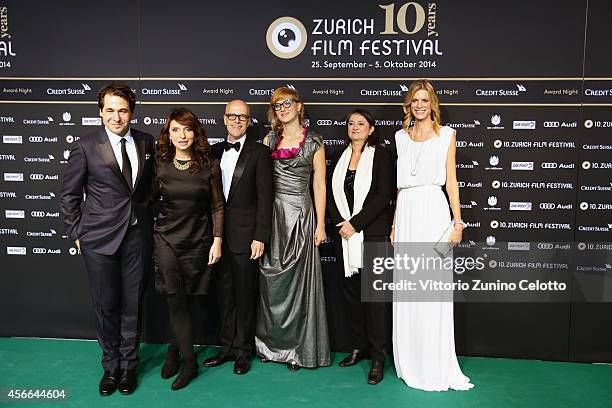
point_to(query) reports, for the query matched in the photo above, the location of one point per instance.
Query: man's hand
(257, 249)
(78, 244)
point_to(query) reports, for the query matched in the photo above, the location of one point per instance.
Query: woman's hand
(346, 229)
(455, 236)
(215, 251)
(320, 235)
(392, 235)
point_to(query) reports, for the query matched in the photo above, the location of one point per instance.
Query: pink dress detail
(289, 152)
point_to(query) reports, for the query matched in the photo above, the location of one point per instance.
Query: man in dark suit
(112, 168)
(246, 170)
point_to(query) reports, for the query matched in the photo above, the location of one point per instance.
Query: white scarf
(352, 247)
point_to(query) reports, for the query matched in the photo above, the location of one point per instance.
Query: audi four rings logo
(286, 37)
(37, 176)
(545, 245)
(461, 143)
(36, 139)
(39, 250)
(550, 165)
(38, 214)
(324, 122)
(547, 206)
(551, 124)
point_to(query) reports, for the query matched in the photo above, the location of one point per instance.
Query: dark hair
(372, 139)
(200, 149)
(119, 89)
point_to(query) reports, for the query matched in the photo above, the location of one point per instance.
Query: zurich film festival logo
(6, 44)
(286, 37)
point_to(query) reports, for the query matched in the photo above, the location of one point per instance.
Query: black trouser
(116, 284)
(235, 281)
(367, 321)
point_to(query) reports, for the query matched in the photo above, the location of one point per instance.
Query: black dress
(183, 231)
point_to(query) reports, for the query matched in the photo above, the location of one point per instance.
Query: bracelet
(460, 222)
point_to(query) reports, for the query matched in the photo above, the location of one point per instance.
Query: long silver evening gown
(291, 317)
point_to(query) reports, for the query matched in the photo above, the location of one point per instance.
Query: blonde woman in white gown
(423, 332)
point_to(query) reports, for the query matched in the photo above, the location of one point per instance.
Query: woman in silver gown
(291, 317)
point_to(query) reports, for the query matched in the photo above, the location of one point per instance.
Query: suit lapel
(243, 159)
(217, 149)
(140, 150)
(106, 152)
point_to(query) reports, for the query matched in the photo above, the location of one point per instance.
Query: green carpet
(74, 367)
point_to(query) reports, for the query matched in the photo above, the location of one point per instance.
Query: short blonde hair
(280, 94)
(416, 86)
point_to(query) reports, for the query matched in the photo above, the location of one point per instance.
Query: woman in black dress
(186, 240)
(358, 203)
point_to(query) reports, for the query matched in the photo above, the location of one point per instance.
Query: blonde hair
(281, 94)
(416, 86)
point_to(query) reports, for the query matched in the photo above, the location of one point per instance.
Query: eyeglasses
(241, 117)
(284, 104)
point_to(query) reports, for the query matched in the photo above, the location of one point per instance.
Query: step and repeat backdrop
(527, 86)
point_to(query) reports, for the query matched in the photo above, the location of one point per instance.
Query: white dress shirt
(130, 146)
(228, 165)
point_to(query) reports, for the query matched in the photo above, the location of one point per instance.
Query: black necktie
(229, 146)
(126, 170)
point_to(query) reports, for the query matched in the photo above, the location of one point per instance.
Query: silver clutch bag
(443, 248)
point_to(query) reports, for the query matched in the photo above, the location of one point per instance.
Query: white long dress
(423, 332)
